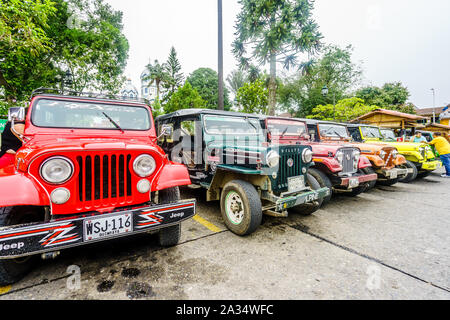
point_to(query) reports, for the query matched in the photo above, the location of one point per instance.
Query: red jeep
(337, 167)
(89, 170)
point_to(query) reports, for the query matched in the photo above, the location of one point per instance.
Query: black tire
(388, 183)
(169, 236)
(247, 201)
(310, 208)
(357, 191)
(410, 176)
(13, 270)
(373, 183)
(323, 181)
(423, 174)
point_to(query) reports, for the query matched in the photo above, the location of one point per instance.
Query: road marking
(4, 290)
(206, 223)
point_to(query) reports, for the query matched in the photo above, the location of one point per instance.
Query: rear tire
(241, 207)
(423, 174)
(13, 270)
(373, 183)
(169, 236)
(410, 176)
(323, 181)
(310, 208)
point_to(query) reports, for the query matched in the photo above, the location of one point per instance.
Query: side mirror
(16, 114)
(166, 130)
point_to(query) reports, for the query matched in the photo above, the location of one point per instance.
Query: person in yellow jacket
(443, 147)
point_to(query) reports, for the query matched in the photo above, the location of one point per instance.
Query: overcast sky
(401, 40)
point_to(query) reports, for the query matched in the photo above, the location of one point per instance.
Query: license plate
(100, 228)
(296, 183)
(394, 174)
(353, 183)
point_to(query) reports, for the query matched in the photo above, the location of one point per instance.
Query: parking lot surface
(389, 243)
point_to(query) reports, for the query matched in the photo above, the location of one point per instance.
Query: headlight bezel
(138, 170)
(272, 155)
(307, 153)
(48, 161)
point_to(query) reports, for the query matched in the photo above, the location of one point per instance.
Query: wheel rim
(234, 207)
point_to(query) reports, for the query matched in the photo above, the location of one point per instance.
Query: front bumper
(286, 202)
(432, 165)
(356, 181)
(24, 240)
(394, 173)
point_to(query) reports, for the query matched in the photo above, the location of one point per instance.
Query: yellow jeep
(421, 159)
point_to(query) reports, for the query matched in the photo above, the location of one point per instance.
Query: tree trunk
(272, 85)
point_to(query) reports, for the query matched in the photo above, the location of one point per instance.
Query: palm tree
(157, 75)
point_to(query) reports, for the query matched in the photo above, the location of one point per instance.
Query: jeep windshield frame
(282, 128)
(331, 130)
(371, 132)
(236, 125)
(52, 113)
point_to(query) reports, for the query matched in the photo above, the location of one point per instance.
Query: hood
(327, 150)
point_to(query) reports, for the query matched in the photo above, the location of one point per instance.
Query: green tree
(173, 67)
(206, 82)
(186, 97)
(253, 97)
(82, 36)
(345, 110)
(157, 75)
(276, 31)
(334, 69)
(391, 96)
(236, 79)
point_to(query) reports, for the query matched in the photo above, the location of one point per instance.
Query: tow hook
(50, 255)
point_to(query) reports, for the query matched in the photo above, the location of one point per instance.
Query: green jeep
(227, 154)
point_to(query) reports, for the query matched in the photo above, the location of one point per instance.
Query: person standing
(418, 138)
(443, 148)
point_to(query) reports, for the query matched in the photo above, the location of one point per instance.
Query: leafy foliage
(157, 75)
(345, 110)
(175, 78)
(185, 97)
(253, 97)
(50, 37)
(206, 82)
(392, 96)
(276, 31)
(334, 69)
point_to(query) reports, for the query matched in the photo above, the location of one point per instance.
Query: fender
(364, 162)
(331, 163)
(172, 175)
(399, 160)
(375, 160)
(17, 189)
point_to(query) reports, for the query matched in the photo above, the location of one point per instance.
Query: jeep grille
(348, 162)
(104, 177)
(285, 171)
(389, 158)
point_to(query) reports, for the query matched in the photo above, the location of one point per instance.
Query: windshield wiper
(113, 122)
(284, 132)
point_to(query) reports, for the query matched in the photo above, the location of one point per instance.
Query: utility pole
(434, 105)
(220, 47)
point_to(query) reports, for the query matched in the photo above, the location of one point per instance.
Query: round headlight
(307, 156)
(340, 156)
(273, 159)
(144, 165)
(382, 154)
(395, 154)
(56, 170)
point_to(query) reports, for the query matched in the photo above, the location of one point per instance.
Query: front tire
(373, 183)
(241, 207)
(310, 208)
(388, 183)
(13, 270)
(423, 174)
(169, 236)
(410, 176)
(323, 181)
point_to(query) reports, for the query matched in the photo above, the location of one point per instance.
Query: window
(223, 125)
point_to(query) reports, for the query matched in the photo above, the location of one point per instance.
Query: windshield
(334, 131)
(286, 128)
(89, 115)
(231, 125)
(371, 132)
(388, 134)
